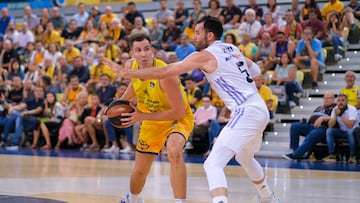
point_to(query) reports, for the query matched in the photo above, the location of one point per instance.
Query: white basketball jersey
(232, 79)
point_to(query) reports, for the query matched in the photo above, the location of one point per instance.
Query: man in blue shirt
(185, 48)
(5, 20)
(80, 70)
(107, 90)
(309, 55)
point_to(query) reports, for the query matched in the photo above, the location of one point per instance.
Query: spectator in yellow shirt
(266, 95)
(351, 90)
(116, 30)
(70, 52)
(98, 69)
(51, 35)
(331, 7)
(247, 47)
(110, 50)
(107, 16)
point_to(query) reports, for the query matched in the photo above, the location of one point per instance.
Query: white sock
(180, 200)
(220, 199)
(263, 189)
(133, 197)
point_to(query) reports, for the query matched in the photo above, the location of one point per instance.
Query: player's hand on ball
(131, 118)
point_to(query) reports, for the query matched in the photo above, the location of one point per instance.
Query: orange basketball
(115, 109)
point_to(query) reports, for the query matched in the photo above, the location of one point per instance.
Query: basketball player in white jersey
(227, 71)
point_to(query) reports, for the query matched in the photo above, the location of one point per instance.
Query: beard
(202, 44)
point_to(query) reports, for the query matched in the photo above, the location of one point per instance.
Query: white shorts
(245, 128)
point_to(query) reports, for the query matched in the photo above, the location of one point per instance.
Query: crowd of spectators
(52, 74)
(331, 123)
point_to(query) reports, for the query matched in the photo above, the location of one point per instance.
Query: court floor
(79, 177)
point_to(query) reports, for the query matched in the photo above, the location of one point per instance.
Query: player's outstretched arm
(194, 61)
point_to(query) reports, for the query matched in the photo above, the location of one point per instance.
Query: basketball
(115, 109)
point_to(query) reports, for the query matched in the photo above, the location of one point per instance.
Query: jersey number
(240, 65)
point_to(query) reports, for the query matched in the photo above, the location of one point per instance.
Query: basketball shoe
(126, 199)
(271, 199)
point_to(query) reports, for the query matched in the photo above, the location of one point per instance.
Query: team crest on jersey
(152, 84)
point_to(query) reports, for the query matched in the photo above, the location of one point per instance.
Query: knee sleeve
(252, 167)
(214, 166)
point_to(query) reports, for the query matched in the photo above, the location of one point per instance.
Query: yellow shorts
(153, 134)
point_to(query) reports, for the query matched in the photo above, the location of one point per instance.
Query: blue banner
(19, 5)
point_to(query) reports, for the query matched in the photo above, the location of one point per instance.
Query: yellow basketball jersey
(150, 96)
(352, 94)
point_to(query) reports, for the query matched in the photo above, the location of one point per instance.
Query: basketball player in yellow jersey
(166, 118)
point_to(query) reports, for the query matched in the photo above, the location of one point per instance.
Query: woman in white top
(53, 53)
(32, 74)
(52, 116)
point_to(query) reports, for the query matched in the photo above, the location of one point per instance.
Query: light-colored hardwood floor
(79, 180)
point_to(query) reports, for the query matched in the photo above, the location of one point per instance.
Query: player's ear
(131, 53)
(210, 36)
